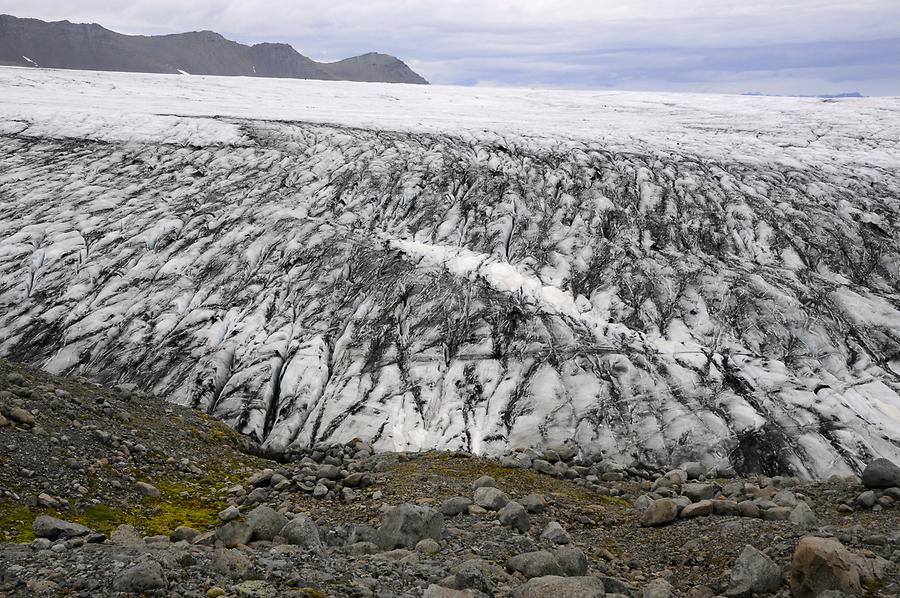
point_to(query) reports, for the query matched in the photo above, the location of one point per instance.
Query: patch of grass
(15, 522)
(516, 482)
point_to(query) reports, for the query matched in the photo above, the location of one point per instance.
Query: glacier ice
(658, 277)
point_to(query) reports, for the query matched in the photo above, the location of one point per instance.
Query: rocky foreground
(105, 491)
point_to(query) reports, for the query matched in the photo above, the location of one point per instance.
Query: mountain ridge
(30, 42)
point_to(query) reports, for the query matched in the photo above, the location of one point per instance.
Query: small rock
(658, 588)
(320, 491)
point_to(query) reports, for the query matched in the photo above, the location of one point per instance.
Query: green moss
(15, 522)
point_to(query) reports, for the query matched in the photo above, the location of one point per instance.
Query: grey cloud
(702, 45)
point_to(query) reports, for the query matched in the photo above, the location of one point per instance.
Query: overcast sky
(770, 46)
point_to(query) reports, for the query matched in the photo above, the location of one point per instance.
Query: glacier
(656, 277)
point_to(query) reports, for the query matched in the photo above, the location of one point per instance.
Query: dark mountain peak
(62, 44)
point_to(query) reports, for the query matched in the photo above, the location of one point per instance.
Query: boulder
(404, 525)
(881, 473)
(45, 526)
(234, 533)
(473, 574)
(21, 416)
(457, 505)
(698, 509)
(484, 481)
(436, 591)
(698, 491)
(184, 533)
(142, 577)
(229, 514)
(754, 573)
(233, 563)
(572, 561)
(301, 531)
(658, 588)
(538, 563)
(534, 503)
(265, 522)
(513, 515)
(145, 489)
(661, 512)
(821, 564)
(490, 498)
(554, 532)
(554, 585)
(802, 516)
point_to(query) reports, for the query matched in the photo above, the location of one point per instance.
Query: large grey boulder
(301, 531)
(265, 522)
(484, 481)
(514, 516)
(658, 588)
(234, 533)
(538, 563)
(802, 516)
(554, 532)
(572, 561)
(490, 498)
(142, 577)
(404, 525)
(457, 505)
(554, 585)
(52, 528)
(881, 473)
(697, 491)
(754, 573)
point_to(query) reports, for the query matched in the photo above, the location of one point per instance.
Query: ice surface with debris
(658, 277)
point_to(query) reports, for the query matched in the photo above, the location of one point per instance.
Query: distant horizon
(709, 47)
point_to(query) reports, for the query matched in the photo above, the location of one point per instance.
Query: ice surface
(660, 277)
